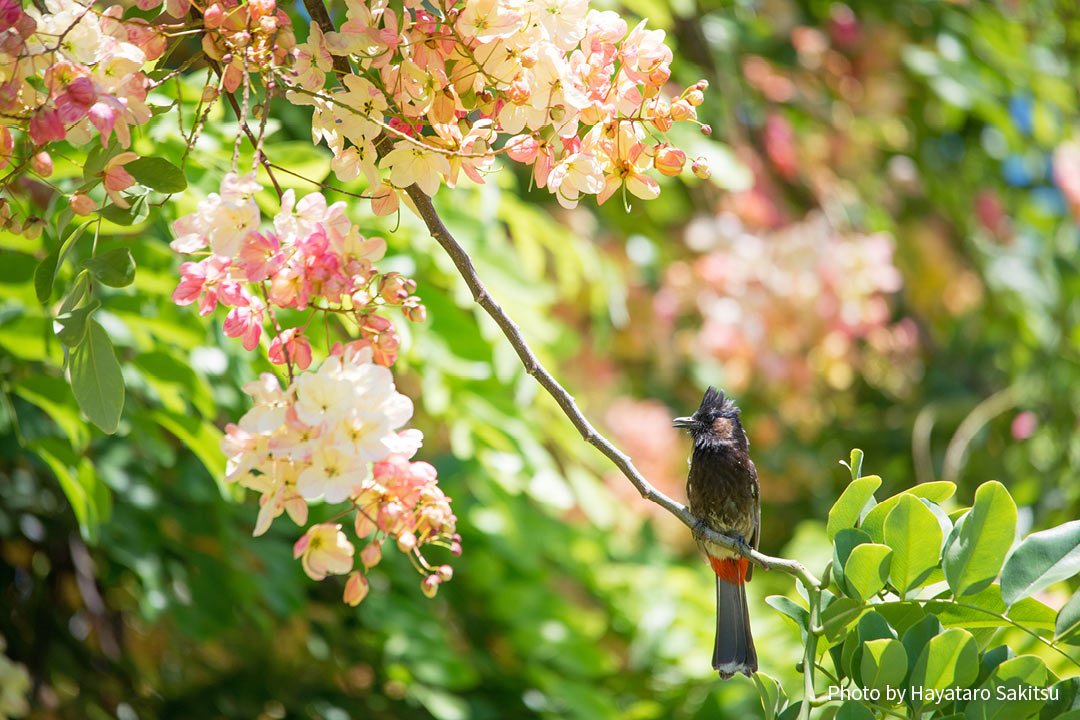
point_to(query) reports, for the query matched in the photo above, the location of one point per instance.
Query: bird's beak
(683, 422)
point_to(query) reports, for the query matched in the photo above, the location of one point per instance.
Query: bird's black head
(715, 422)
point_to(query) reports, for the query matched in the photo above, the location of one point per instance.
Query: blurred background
(886, 257)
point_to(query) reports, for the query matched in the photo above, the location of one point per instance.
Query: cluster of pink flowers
(573, 92)
(71, 72)
(333, 435)
(246, 38)
(800, 312)
(313, 257)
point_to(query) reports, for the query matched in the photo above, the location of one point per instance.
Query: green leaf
(157, 174)
(840, 613)
(847, 509)
(980, 541)
(855, 465)
(883, 665)
(96, 379)
(1040, 560)
(852, 710)
(1067, 702)
(134, 215)
(791, 609)
(844, 542)
(773, 697)
(115, 268)
(867, 569)
(918, 636)
(950, 659)
(1067, 626)
(914, 535)
(71, 326)
(1005, 703)
(45, 274)
(874, 522)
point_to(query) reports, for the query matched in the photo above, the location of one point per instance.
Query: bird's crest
(715, 402)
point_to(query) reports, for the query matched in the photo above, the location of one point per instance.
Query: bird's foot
(699, 530)
(741, 545)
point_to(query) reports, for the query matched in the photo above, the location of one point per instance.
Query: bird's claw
(699, 530)
(741, 545)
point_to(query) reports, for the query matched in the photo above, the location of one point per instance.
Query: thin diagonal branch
(566, 401)
(569, 406)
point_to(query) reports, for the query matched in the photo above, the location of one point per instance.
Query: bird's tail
(733, 651)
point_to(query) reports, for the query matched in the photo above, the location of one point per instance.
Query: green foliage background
(131, 585)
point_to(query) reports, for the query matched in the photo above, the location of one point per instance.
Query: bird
(722, 487)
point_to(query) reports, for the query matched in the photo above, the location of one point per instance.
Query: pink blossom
(292, 345)
(246, 322)
(261, 256)
(356, 588)
(46, 127)
(116, 178)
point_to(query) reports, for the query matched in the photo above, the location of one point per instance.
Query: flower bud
(659, 76)
(42, 164)
(210, 94)
(695, 97)
(669, 161)
(372, 554)
(528, 58)
(445, 573)
(32, 228)
(414, 310)
(700, 168)
(82, 204)
(406, 541)
(681, 110)
(430, 585)
(557, 113)
(356, 588)
(706, 130)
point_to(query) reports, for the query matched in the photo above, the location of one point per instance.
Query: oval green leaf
(981, 540)
(884, 664)
(115, 268)
(914, 534)
(71, 327)
(847, 509)
(845, 541)
(157, 174)
(791, 609)
(867, 570)
(1040, 560)
(773, 697)
(874, 522)
(1067, 626)
(950, 659)
(96, 380)
(852, 710)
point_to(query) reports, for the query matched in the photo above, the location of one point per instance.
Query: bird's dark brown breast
(723, 490)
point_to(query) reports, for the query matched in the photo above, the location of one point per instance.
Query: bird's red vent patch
(732, 570)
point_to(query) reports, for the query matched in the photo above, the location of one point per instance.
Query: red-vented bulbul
(723, 490)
